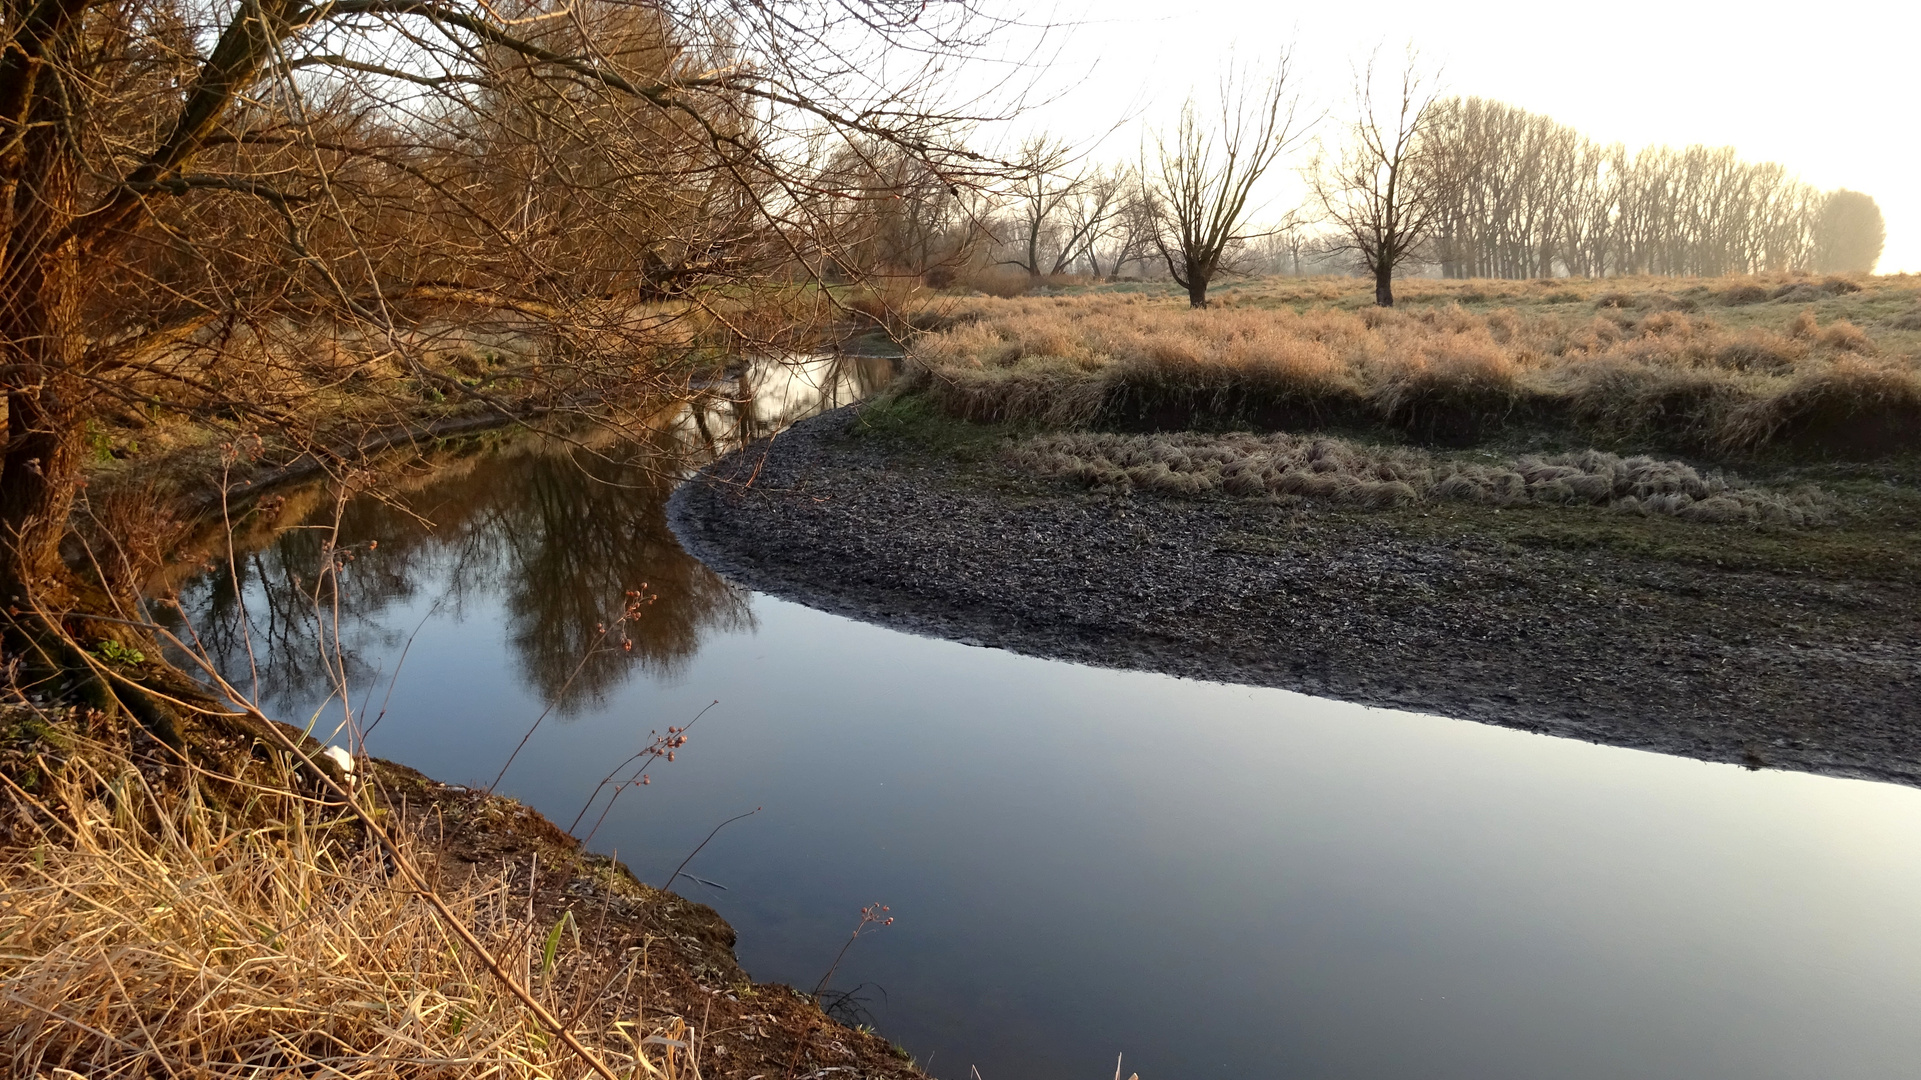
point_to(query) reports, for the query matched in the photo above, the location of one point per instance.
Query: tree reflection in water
(557, 529)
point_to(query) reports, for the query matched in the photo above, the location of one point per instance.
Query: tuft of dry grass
(1843, 336)
(1745, 292)
(1648, 367)
(150, 936)
(1290, 467)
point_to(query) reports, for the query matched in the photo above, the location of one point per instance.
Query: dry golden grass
(149, 936)
(1699, 366)
(1287, 468)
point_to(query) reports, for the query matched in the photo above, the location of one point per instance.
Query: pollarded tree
(1196, 185)
(1377, 191)
(1849, 234)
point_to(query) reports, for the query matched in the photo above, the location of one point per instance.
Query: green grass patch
(1860, 550)
(911, 420)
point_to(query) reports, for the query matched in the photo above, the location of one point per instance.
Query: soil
(1796, 666)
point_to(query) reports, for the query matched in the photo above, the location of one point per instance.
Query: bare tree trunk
(42, 475)
(1197, 197)
(41, 341)
(1384, 284)
(1196, 289)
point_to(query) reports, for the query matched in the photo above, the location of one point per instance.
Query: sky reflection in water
(1215, 880)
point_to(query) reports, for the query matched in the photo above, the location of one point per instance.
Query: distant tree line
(1407, 182)
(1518, 195)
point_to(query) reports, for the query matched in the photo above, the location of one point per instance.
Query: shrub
(1667, 323)
(1000, 282)
(1760, 351)
(1051, 392)
(1684, 407)
(1454, 394)
(1660, 301)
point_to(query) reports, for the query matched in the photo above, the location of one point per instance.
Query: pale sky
(1828, 90)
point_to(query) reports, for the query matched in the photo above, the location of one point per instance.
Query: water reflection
(1216, 880)
(769, 396)
(553, 530)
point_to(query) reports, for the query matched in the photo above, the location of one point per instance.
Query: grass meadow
(1718, 368)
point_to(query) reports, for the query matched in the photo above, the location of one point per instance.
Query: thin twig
(703, 843)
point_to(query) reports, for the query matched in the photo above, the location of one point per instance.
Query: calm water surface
(1214, 880)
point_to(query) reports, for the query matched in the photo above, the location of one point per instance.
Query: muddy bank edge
(1813, 673)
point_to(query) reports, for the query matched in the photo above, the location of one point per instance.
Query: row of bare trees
(1405, 181)
(1515, 194)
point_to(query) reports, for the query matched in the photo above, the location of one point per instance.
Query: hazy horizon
(1813, 96)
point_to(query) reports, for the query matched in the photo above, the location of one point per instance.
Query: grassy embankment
(1780, 414)
(154, 925)
(230, 914)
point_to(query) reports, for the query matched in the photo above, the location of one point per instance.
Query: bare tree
(1196, 186)
(1129, 238)
(1381, 201)
(1089, 215)
(1041, 188)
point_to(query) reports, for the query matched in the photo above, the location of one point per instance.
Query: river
(1212, 880)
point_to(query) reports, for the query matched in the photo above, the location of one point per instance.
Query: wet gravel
(1759, 669)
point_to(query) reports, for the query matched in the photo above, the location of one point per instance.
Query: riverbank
(299, 948)
(636, 970)
(1766, 646)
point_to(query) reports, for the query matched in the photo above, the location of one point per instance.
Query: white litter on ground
(342, 758)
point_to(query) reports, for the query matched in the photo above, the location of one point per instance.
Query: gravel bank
(1760, 669)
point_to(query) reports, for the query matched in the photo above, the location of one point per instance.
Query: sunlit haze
(1825, 91)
